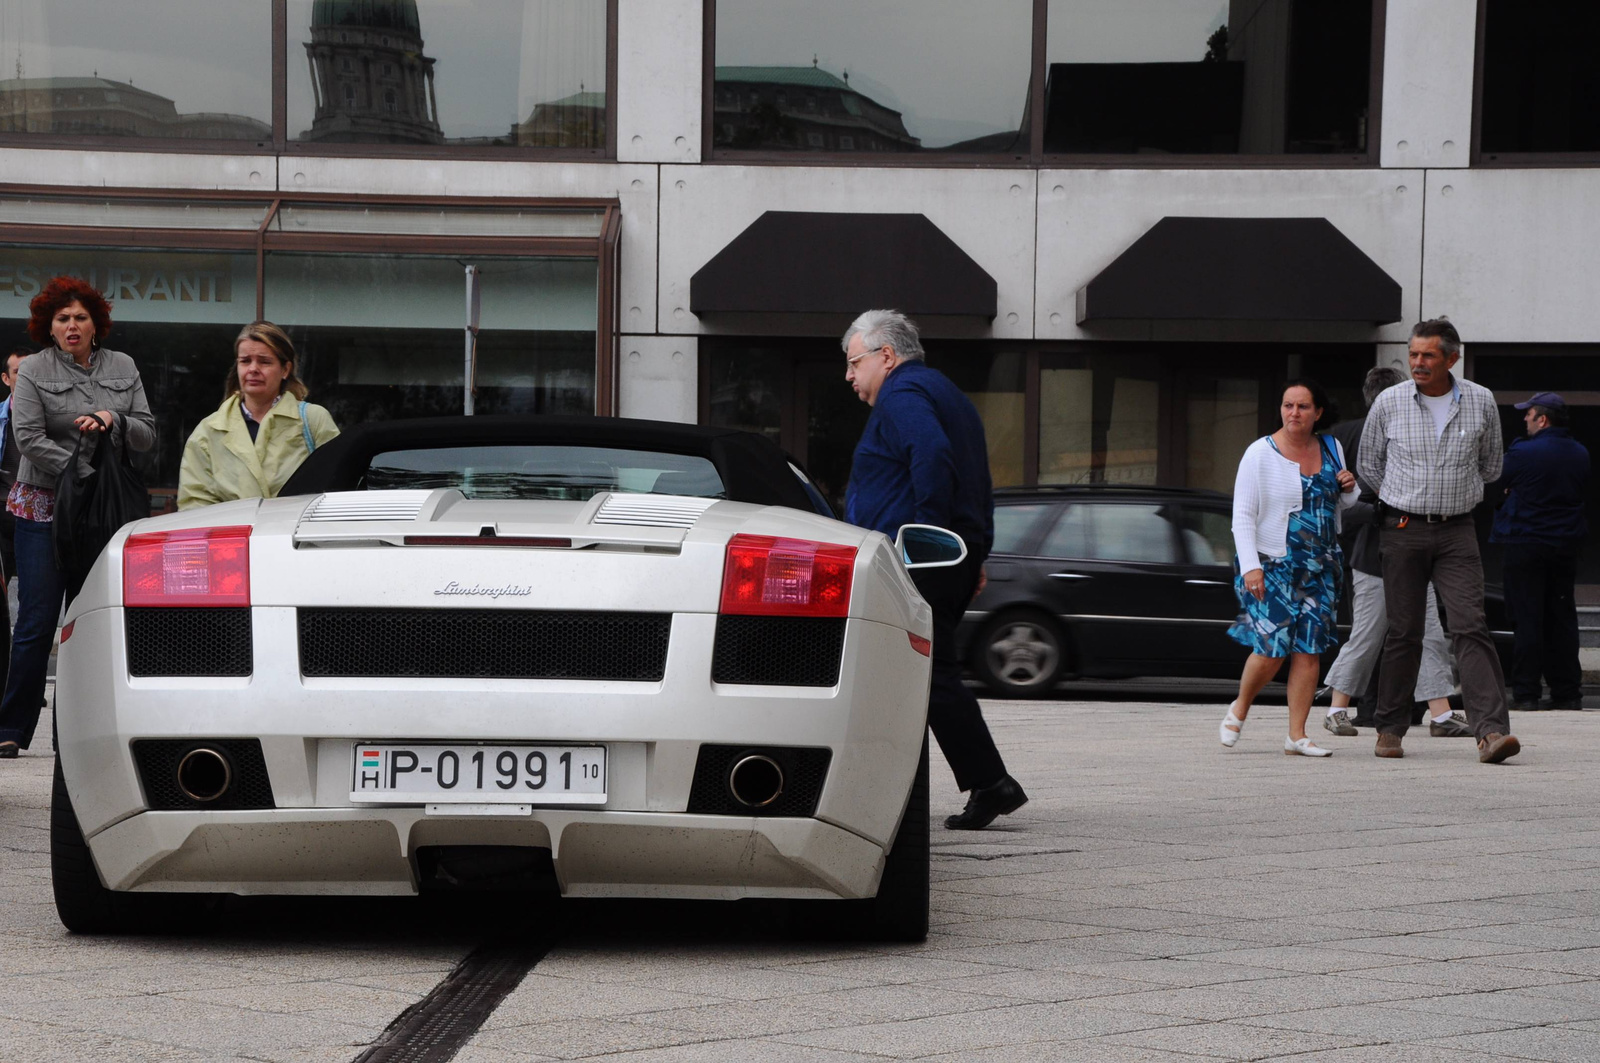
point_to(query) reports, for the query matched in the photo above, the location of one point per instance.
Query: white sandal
(1303, 747)
(1230, 735)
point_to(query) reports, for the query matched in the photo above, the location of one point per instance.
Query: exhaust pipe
(204, 774)
(755, 780)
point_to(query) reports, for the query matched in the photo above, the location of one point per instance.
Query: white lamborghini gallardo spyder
(458, 652)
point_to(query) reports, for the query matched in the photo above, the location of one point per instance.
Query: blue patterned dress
(1302, 587)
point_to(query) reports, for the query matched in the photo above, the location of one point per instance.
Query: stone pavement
(1159, 899)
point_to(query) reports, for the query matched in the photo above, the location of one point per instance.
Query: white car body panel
(640, 842)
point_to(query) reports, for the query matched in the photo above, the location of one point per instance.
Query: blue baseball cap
(1548, 399)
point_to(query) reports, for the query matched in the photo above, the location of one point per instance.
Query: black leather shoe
(1564, 704)
(1523, 705)
(8, 751)
(985, 803)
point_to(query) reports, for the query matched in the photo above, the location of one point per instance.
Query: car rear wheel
(87, 907)
(900, 910)
(1021, 655)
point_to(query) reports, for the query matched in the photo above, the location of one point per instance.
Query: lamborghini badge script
(477, 591)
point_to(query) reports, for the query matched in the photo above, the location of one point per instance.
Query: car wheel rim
(1023, 655)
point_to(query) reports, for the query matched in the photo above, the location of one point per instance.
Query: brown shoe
(1389, 746)
(1494, 748)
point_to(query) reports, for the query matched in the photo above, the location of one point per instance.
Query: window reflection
(201, 71)
(1097, 424)
(462, 73)
(1254, 77)
(872, 75)
(1532, 102)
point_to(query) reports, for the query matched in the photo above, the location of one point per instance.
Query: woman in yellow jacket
(262, 431)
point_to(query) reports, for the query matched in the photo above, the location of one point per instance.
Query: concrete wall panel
(634, 186)
(1429, 50)
(1512, 255)
(659, 45)
(1089, 217)
(988, 213)
(660, 378)
(137, 169)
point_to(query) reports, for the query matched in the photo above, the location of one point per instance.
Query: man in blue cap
(1540, 521)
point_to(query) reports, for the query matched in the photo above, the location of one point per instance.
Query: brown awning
(1242, 269)
(788, 262)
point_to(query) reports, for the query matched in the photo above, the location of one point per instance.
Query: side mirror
(925, 546)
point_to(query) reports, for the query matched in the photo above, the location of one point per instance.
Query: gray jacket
(52, 391)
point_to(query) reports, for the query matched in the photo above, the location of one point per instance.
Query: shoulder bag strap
(311, 444)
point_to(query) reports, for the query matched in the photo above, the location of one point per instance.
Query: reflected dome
(375, 14)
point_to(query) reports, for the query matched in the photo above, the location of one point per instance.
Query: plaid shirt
(1415, 469)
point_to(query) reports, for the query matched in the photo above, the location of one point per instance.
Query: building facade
(676, 206)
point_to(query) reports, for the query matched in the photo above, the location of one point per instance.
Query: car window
(1099, 531)
(1207, 536)
(574, 473)
(1014, 524)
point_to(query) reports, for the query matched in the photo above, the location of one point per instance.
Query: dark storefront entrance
(1170, 414)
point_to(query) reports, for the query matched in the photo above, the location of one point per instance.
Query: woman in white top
(1289, 569)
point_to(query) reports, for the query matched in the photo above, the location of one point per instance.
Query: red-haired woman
(73, 386)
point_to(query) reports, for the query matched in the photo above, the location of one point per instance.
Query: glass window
(1098, 531)
(1224, 413)
(995, 384)
(1013, 525)
(1202, 77)
(460, 73)
(174, 312)
(873, 76)
(1098, 423)
(571, 473)
(381, 336)
(1533, 100)
(1207, 536)
(200, 71)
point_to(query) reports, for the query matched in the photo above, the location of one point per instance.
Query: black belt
(1427, 518)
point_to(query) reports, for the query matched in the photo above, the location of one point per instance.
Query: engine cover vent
(652, 511)
(366, 505)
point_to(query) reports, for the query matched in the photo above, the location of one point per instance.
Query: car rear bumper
(371, 851)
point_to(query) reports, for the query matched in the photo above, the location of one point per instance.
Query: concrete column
(1429, 48)
(660, 378)
(659, 45)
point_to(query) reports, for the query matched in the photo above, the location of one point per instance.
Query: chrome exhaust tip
(204, 774)
(755, 780)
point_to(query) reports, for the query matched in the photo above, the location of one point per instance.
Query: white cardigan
(1266, 491)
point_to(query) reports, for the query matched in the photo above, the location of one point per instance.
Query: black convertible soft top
(752, 467)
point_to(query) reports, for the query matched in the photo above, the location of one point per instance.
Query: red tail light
(193, 567)
(768, 576)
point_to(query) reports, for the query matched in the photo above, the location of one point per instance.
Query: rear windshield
(569, 473)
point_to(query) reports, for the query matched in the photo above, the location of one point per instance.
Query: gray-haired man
(1369, 616)
(1428, 448)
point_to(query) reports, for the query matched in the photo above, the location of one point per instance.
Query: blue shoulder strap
(311, 444)
(1333, 455)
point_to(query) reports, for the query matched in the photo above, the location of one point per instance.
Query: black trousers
(953, 711)
(1539, 597)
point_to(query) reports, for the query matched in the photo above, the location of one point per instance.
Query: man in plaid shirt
(1428, 448)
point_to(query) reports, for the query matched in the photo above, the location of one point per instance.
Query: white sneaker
(1230, 735)
(1303, 747)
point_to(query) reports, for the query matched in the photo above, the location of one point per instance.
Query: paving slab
(1158, 899)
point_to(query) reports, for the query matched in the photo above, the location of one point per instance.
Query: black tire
(900, 910)
(1020, 655)
(84, 905)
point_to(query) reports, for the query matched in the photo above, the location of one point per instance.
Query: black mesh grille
(189, 641)
(483, 643)
(804, 772)
(796, 651)
(157, 760)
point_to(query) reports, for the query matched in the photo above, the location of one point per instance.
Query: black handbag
(90, 509)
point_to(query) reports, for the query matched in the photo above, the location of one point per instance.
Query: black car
(1112, 581)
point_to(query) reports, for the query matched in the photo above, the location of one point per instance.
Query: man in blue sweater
(1541, 523)
(922, 460)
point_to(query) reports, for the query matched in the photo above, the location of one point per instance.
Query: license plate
(512, 774)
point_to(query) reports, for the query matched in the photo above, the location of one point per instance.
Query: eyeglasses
(851, 362)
